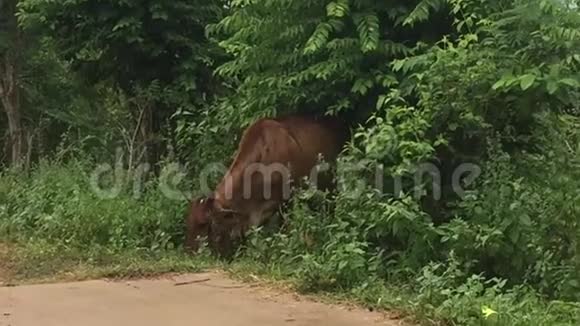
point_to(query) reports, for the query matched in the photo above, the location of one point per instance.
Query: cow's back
(293, 141)
(323, 135)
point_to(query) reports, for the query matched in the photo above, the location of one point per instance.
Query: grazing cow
(271, 154)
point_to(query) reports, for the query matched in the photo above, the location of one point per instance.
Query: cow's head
(197, 222)
(222, 227)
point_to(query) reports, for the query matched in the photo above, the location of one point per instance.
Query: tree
(320, 55)
(11, 48)
(157, 48)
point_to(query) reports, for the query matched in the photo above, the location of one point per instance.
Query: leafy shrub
(521, 221)
(448, 293)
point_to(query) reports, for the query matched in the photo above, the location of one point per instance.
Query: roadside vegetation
(111, 111)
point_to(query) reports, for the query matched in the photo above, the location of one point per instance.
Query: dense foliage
(490, 87)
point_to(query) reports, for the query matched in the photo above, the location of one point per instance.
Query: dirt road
(198, 299)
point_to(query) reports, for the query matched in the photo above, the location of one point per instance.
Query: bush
(448, 293)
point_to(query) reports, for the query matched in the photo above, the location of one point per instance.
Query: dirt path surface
(198, 299)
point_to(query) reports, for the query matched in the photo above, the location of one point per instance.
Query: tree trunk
(11, 104)
(9, 88)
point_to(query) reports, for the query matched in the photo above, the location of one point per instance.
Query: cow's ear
(211, 205)
(207, 208)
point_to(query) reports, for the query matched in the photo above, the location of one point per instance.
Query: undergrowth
(56, 225)
(375, 249)
(506, 255)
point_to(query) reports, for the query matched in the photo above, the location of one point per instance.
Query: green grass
(39, 262)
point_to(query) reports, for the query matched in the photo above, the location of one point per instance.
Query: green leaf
(368, 30)
(422, 11)
(552, 87)
(487, 312)
(381, 101)
(361, 86)
(525, 220)
(398, 65)
(498, 84)
(321, 35)
(526, 81)
(338, 8)
(569, 81)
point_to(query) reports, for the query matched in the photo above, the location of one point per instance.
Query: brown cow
(271, 154)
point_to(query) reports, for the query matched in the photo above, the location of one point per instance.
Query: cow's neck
(224, 194)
